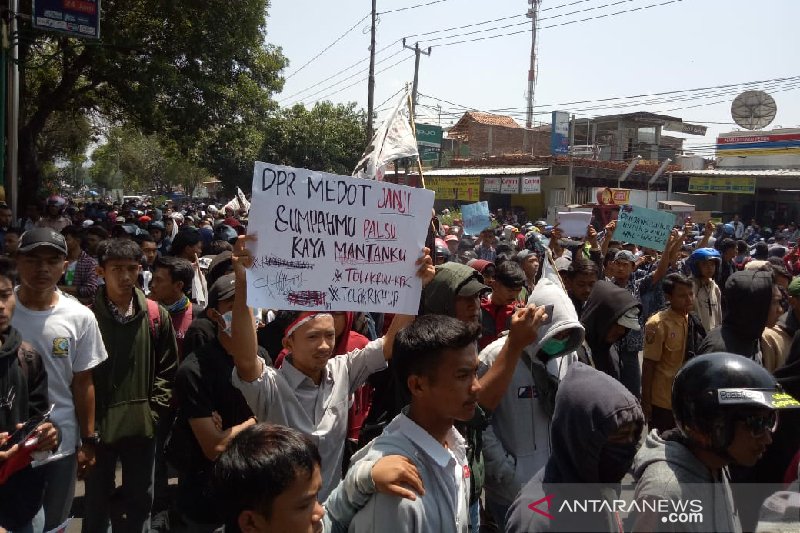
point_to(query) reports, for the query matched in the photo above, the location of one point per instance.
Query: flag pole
(414, 131)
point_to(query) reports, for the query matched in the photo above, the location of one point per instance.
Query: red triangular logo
(535, 506)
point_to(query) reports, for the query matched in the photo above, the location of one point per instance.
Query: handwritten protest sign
(645, 227)
(476, 217)
(328, 242)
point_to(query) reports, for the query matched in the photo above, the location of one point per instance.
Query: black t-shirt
(202, 386)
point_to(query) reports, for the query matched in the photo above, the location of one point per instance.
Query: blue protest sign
(645, 227)
(475, 217)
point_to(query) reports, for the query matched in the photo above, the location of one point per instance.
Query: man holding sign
(310, 391)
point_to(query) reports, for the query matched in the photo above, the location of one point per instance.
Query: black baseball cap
(222, 289)
(42, 237)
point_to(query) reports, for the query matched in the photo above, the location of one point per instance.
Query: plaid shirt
(487, 254)
(122, 317)
(86, 279)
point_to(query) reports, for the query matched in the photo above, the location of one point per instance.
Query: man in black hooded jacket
(752, 303)
(609, 313)
(596, 431)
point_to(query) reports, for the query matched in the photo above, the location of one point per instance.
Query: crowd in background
(535, 359)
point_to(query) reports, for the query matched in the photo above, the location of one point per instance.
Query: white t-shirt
(69, 340)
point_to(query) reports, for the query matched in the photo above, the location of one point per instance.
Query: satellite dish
(753, 110)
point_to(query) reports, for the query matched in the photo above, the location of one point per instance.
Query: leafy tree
(136, 162)
(197, 73)
(327, 137)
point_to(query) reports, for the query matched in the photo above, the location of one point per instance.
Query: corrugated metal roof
(775, 173)
(488, 171)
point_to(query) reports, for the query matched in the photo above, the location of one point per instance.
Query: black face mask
(615, 460)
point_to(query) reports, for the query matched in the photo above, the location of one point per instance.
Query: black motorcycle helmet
(441, 254)
(710, 391)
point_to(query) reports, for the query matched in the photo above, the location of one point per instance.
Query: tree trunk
(30, 169)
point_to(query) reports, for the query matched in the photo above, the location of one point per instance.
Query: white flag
(393, 140)
(242, 199)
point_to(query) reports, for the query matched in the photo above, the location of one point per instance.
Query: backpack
(154, 319)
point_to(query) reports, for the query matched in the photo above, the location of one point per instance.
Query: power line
(363, 79)
(639, 97)
(336, 74)
(426, 4)
(509, 34)
(519, 114)
(380, 106)
(350, 67)
(326, 88)
(342, 36)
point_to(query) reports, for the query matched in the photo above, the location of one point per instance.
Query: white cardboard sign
(336, 243)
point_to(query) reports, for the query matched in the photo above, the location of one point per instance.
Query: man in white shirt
(311, 391)
(436, 359)
(66, 334)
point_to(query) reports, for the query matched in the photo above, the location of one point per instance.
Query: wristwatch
(92, 440)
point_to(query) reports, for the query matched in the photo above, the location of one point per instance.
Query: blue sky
(685, 44)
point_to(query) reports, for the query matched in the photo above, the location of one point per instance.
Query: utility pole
(12, 176)
(371, 81)
(571, 178)
(533, 14)
(417, 53)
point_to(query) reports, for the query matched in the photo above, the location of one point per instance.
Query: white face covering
(228, 318)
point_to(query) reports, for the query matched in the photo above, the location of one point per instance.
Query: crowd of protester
(535, 360)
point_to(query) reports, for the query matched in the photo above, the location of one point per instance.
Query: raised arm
(608, 237)
(709, 229)
(244, 348)
(673, 242)
(523, 331)
(425, 272)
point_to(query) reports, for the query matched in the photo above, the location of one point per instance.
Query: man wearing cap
(776, 340)
(67, 335)
(452, 245)
(133, 389)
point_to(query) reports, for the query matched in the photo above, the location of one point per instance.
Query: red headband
(306, 316)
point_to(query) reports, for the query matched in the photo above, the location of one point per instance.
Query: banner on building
(491, 184)
(685, 127)
(466, 189)
(77, 18)
(531, 185)
(609, 196)
(509, 185)
(336, 243)
(559, 133)
(737, 185)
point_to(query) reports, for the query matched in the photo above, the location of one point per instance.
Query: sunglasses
(758, 425)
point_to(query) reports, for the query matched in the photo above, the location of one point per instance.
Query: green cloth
(134, 385)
